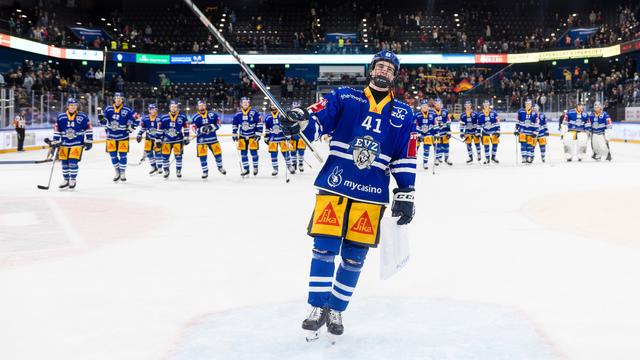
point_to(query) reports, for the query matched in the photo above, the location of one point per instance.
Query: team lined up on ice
(433, 124)
(169, 134)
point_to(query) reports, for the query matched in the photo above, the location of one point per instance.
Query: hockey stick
(53, 165)
(435, 155)
(225, 44)
(18, 162)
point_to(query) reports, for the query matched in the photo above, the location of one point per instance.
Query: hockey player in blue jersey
(247, 130)
(489, 126)
(206, 124)
(297, 148)
(543, 133)
(600, 126)
(425, 129)
(275, 138)
(469, 130)
(527, 130)
(173, 136)
(149, 127)
(574, 133)
(119, 123)
(72, 133)
(372, 137)
(442, 132)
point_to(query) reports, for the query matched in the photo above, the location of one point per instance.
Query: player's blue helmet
(72, 101)
(174, 102)
(528, 101)
(202, 102)
(118, 94)
(152, 107)
(437, 101)
(486, 102)
(387, 56)
(597, 104)
(424, 102)
(244, 98)
(467, 102)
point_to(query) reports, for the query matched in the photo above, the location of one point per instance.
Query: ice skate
(314, 322)
(334, 322)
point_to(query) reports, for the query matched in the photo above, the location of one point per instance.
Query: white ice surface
(507, 262)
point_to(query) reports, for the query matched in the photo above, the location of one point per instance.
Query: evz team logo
(365, 151)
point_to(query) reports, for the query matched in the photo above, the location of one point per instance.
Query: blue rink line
(375, 328)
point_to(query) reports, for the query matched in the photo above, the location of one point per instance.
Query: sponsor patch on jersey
(412, 150)
(365, 151)
(320, 105)
(335, 178)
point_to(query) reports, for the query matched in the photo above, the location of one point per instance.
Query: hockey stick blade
(43, 187)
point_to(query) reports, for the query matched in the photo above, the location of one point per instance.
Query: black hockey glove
(88, 145)
(234, 137)
(139, 138)
(257, 139)
(403, 205)
(295, 121)
(186, 140)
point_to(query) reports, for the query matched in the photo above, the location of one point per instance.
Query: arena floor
(508, 262)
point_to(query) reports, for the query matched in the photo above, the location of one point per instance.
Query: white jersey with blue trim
(370, 141)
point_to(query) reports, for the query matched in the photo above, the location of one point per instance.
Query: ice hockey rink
(507, 262)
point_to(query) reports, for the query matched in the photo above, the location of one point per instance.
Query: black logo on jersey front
(365, 151)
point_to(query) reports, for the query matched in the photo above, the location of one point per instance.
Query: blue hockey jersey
(369, 142)
(544, 128)
(149, 125)
(206, 125)
(173, 128)
(273, 129)
(576, 121)
(72, 129)
(442, 121)
(469, 123)
(425, 123)
(118, 121)
(247, 123)
(488, 122)
(527, 122)
(598, 123)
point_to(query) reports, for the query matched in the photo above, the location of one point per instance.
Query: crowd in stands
(476, 27)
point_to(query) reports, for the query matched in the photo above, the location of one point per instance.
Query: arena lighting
(553, 34)
(23, 16)
(103, 19)
(223, 19)
(78, 23)
(574, 15)
(108, 24)
(18, 10)
(364, 20)
(456, 15)
(366, 46)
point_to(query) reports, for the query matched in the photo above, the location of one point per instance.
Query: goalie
(574, 133)
(600, 127)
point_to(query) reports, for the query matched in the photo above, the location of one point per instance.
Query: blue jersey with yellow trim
(369, 142)
(117, 121)
(273, 129)
(469, 123)
(425, 123)
(544, 128)
(598, 123)
(206, 125)
(488, 122)
(527, 122)
(72, 129)
(173, 128)
(442, 121)
(576, 120)
(248, 123)
(149, 126)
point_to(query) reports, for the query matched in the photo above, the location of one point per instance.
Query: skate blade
(332, 338)
(312, 335)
